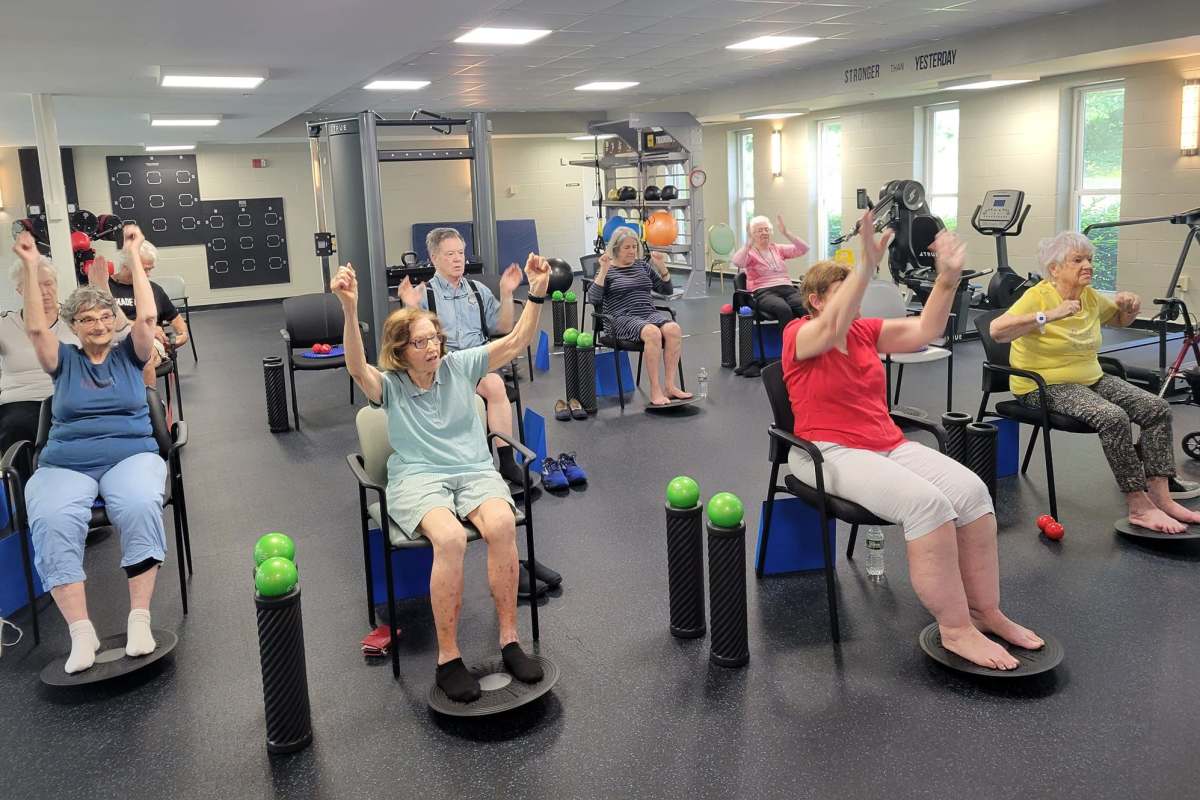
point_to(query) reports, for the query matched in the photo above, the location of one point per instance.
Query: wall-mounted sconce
(777, 153)
(1189, 128)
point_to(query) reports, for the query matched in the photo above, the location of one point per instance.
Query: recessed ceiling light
(981, 82)
(774, 114)
(588, 137)
(396, 86)
(606, 86)
(184, 122)
(169, 148)
(211, 81)
(502, 36)
(771, 42)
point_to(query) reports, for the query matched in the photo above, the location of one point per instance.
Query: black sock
(508, 464)
(457, 682)
(522, 667)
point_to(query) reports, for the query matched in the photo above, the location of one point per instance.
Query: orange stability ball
(661, 229)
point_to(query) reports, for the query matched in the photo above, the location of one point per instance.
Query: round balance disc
(673, 407)
(111, 661)
(1032, 662)
(499, 691)
(1127, 528)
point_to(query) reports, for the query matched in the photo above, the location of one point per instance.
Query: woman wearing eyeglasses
(442, 469)
(100, 444)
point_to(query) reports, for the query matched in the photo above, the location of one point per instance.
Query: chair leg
(761, 561)
(620, 384)
(887, 374)
(681, 383)
(187, 317)
(638, 381)
(292, 381)
(830, 587)
(1033, 437)
(351, 390)
(529, 354)
(950, 382)
(899, 380)
(180, 557)
(26, 562)
(520, 420)
(391, 589)
(850, 544)
(178, 387)
(177, 499)
(366, 541)
(1050, 474)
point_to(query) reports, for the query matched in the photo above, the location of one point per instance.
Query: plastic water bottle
(702, 382)
(874, 539)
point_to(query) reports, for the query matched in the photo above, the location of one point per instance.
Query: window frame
(927, 155)
(737, 219)
(1078, 125)
(824, 251)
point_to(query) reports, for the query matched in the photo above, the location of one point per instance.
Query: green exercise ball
(683, 492)
(556, 295)
(274, 544)
(725, 510)
(570, 335)
(584, 341)
(276, 576)
(569, 297)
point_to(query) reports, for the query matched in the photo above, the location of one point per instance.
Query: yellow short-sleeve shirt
(1066, 352)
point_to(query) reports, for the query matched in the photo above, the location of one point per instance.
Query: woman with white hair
(1055, 331)
(767, 276)
(623, 283)
(121, 287)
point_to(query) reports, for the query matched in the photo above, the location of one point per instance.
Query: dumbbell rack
(629, 164)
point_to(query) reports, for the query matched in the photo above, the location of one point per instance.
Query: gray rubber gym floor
(636, 713)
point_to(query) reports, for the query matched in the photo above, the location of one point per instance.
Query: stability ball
(661, 229)
(560, 275)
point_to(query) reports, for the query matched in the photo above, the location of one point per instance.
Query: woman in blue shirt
(100, 444)
(442, 469)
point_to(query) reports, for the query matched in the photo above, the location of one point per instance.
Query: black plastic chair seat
(634, 345)
(333, 362)
(838, 507)
(1015, 409)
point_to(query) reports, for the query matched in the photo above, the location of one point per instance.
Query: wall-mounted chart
(160, 193)
(245, 242)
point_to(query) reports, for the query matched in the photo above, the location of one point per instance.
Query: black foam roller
(685, 571)
(285, 678)
(745, 332)
(571, 370)
(559, 314)
(586, 358)
(570, 315)
(277, 415)
(728, 340)
(955, 423)
(728, 644)
(981, 453)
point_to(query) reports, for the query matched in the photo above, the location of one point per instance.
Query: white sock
(84, 644)
(139, 640)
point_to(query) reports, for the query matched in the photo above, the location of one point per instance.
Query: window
(941, 162)
(829, 183)
(1096, 172)
(743, 207)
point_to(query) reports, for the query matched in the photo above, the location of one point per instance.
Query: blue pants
(60, 507)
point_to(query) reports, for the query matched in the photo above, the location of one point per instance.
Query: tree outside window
(1096, 177)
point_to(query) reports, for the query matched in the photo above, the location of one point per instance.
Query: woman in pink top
(766, 274)
(835, 382)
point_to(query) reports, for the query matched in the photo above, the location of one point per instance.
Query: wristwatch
(1041, 321)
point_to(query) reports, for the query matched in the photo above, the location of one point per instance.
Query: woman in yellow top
(1055, 331)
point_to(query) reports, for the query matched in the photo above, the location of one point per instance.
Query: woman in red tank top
(835, 382)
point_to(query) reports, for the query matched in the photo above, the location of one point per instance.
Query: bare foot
(1176, 511)
(679, 394)
(1156, 519)
(1016, 635)
(977, 648)
(659, 399)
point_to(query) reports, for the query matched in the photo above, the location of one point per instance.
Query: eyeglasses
(420, 344)
(87, 322)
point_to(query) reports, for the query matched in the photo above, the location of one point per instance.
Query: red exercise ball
(80, 241)
(1054, 531)
(727, 308)
(661, 229)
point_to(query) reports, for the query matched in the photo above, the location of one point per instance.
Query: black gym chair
(744, 297)
(782, 440)
(370, 470)
(599, 318)
(996, 372)
(311, 319)
(22, 457)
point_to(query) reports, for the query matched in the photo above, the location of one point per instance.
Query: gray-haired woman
(1055, 331)
(623, 283)
(100, 444)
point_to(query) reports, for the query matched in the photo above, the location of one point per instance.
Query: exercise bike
(1001, 211)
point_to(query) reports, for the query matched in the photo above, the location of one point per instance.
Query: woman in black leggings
(766, 274)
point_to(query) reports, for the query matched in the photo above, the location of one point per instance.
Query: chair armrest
(515, 445)
(1113, 367)
(1024, 373)
(902, 419)
(179, 434)
(742, 298)
(792, 440)
(287, 339)
(354, 460)
(17, 450)
(667, 309)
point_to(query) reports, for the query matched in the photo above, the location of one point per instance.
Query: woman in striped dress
(623, 283)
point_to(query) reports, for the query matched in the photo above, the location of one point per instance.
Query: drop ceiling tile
(614, 23)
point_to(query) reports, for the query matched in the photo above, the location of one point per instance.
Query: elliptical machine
(1001, 211)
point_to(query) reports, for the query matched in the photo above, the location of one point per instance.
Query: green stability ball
(725, 510)
(276, 576)
(569, 297)
(274, 544)
(683, 492)
(556, 295)
(584, 341)
(571, 336)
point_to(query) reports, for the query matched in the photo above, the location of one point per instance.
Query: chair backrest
(313, 318)
(173, 285)
(739, 281)
(373, 443)
(158, 424)
(883, 300)
(995, 352)
(721, 240)
(589, 265)
(781, 407)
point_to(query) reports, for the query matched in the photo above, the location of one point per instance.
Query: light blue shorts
(413, 496)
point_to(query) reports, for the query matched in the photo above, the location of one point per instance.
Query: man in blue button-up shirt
(458, 308)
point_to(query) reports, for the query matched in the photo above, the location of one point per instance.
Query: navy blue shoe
(575, 474)
(553, 478)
